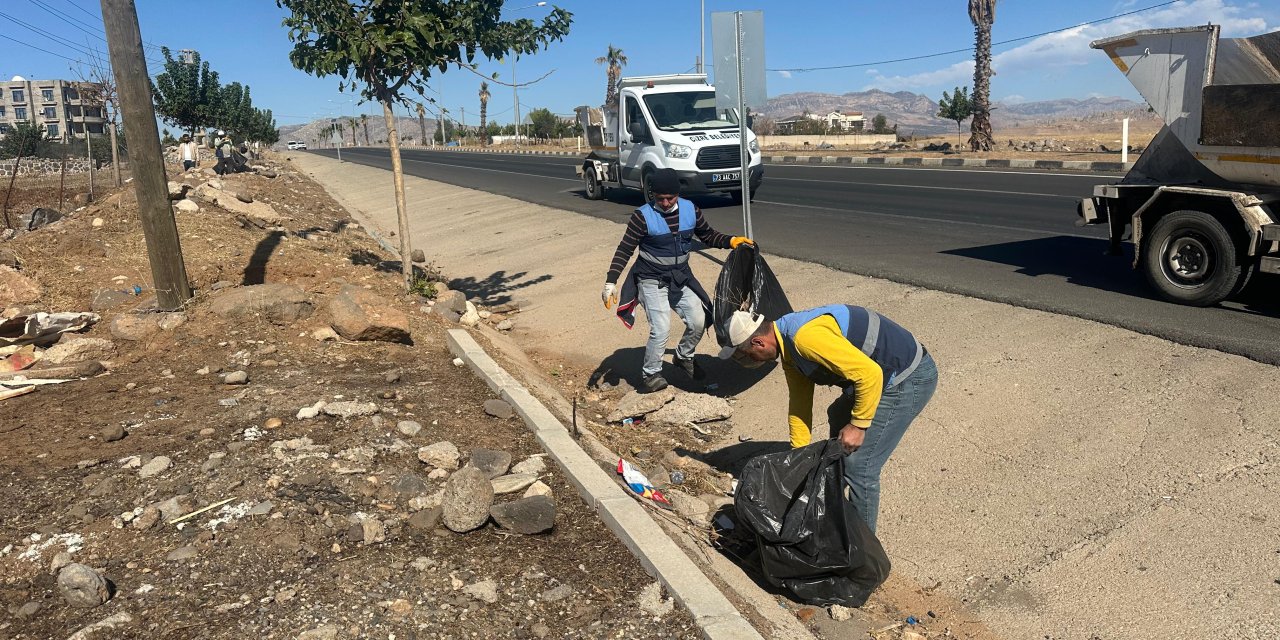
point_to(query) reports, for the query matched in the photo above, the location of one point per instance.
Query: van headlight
(754, 146)
(676, 150)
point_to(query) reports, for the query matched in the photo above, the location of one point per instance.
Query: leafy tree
(543, 123)
(982, 13)
(956, 107)
(484, 112)
(167, 138)
(384, 48)
(187, 96)
(24, 140)
(616, 61)
(880, 124)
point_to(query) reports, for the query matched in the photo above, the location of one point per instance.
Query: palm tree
(422, 125)
(364, 122)
(484, 112)
(982, 13)
(616, 60)
(351, 124)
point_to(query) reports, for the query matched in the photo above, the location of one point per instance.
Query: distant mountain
(406, 126)
(915, 113)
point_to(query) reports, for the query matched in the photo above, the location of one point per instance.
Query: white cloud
(785, 74)
(1070, 47)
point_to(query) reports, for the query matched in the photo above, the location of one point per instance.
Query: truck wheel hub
(1187, 259)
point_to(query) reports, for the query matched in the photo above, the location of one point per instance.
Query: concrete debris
(636, 404)
(692, 407)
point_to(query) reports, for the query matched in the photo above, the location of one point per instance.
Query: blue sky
(243, 41)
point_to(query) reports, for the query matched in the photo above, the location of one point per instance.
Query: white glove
(609, 296)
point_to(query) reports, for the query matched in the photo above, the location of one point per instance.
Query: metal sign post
(743, 87)
(744, 155)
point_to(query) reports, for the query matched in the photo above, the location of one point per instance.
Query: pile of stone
(454, 306)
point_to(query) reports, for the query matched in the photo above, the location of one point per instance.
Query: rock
(372, 530)
(175, 507)
(637, 404)
(324, 334)
(513, 483)
(538, 488)
(235, 377)
(392, 377)
(532, 464)
(262, 508)
(60, 560)
(182, 553)
(104, 299)
(455, 301)
(408, 484)
(418, 256)
(326, 632)
(498, 409)
(113, 432)
(147, 519)
(170, 321)
(134, 327)
(651, 601)
(307, 413)
(695, 510)
(360, 314)
(692, 407)
(427, 519)
(186, 206)
(156, 466)
(98, 222)
(505, 325)
(441, 455)
(212, 193)
(280, 304)
(490, 462)
(484, 591)
(273, 423)
(178, 190)
(70, 350)
(244, 197)
(468, 495)
(912, 635)
(16, 289)
(28, 610)
(82, 587)
(408, 428)
(39, 217)
(839, 613)
(533, 515)
(470, 317)
(556, 594)
(110, 624)
(438, 474)
(349, 409)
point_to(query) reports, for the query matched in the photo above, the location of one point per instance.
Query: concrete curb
(989, 163)
(714, 614)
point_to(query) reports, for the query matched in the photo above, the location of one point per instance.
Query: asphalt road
(1006, 236)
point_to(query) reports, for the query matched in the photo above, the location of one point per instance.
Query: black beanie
(665, 181)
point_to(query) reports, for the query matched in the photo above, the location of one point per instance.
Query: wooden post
(115, 150)
(164, 250)
(88, 145)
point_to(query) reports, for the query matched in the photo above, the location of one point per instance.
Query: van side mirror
(750, 121)
(639, 132)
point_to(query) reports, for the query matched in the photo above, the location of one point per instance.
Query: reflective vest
(884, 341)
(661, 246)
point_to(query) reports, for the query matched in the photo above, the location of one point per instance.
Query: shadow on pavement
(624, 365)
(495, 289)
(633, 199)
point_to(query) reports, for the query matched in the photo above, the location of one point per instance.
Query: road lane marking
(874, 167)
(898, 216)
(917, 186)
(454, 166)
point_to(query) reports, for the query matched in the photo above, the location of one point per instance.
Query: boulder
(490, 462)
(39, 217)
(468, 496)
(186, 205)
(636, 404)
(134, 326)
(16, 289)
(455, 301)
(276, 303)
(471, 317)
(82, 587)
(418, 256)
(360, 314)
(533, 515)
(692, 407)
(258, 210)
(70, 350)
(178, 190)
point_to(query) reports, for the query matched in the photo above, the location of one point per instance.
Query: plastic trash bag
(812, 541)
(746, 284)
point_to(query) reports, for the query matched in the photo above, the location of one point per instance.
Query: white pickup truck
(666, 122)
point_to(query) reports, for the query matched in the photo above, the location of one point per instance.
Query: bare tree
(982, 13)
(98, 87)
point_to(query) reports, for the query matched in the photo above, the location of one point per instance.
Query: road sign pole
(744, 156)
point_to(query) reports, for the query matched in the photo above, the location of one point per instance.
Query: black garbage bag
(812, 541)
(746, 284)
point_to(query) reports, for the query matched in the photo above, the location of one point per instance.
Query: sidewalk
(1070, 479)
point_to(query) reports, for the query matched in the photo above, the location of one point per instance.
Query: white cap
(741, 325)
(221, 132)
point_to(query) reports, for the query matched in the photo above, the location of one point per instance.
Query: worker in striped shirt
(663, 231)
(886, 376)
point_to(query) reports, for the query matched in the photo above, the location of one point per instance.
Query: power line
(967, 49)
(96, 17)
(32, 46)
(34, 29)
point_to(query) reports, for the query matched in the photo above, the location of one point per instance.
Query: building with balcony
(63, 108)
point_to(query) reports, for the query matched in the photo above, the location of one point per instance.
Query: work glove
(738, 240)
(609, 296)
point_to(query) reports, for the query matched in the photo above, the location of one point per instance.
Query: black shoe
(689, 367)
(655, 382)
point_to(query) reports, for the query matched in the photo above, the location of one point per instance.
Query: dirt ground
(326, 529)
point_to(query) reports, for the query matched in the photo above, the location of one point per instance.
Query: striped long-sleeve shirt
(638, 228)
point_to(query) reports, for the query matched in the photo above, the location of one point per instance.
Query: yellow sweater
(821, 341)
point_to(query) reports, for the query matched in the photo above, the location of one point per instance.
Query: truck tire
(1190, 258)
(646, 189)
(595, 189)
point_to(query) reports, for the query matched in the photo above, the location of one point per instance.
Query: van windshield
(688, 111)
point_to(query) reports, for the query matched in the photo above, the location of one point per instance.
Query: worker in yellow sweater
(886, 375)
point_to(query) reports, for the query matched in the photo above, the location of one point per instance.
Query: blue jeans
(898, 407)
(658, 310)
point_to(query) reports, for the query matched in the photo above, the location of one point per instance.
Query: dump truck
(667, 121)
(1202, 203)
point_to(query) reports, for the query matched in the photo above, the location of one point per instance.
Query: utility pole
(515, 95)
(164, 250)
(88, 145)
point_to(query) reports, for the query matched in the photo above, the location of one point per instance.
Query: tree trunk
(422, 130)
(959, 133)
(402, 209)
(115, 155)
(982, 138)
(484, 131)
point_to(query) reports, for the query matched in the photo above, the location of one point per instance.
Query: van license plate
(726, 177)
